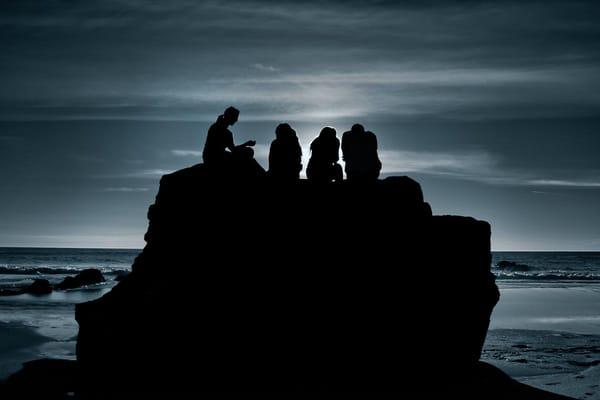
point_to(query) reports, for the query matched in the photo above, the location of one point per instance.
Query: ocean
(545, 330)
(547, 266)
(19, 265)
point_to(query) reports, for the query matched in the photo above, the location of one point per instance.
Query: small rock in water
(86, 277)
(10, 292)
(512, 266)
(39, 286)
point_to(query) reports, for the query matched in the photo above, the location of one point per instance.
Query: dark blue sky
(493, 106)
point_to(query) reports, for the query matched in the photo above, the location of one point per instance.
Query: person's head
(284, 131)
(327, 132)
(358, 128)
(231, 115)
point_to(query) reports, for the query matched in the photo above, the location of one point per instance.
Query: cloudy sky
(493, 106)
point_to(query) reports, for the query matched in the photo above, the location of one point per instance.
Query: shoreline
(529, 345)
(19, 343)
(559, 362)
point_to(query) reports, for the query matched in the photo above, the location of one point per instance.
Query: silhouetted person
(323, 164)
(359, 149)
(285, 154)
(220, 139)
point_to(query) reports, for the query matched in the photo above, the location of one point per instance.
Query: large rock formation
(249, 285)
(246, 284)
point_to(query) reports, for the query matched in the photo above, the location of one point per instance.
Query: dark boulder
(10, 292)
(296, 288)
(90, 276)
(299, 287)
(39, 287)
(512, 266)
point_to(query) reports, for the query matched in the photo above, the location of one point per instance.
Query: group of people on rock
(359, 150)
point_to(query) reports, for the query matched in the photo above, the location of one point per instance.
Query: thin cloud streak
(480, 167)
(126, 189)
(463, 93)
(564, 183)
(152, 173)
(267, 68)
(435, 162)
(186, 153)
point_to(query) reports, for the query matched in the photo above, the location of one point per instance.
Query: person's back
(325, 148)
(285, 155)
(218, 139)
(323, 165)
(359, 149)
(221, 153)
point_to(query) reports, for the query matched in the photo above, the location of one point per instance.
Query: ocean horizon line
(140, 249)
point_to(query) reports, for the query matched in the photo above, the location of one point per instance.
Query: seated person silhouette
(220, 139)
(359, 150)
(323, 165)
(285, 154)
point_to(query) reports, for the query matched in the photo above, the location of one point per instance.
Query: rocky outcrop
(90, 276)
(86, 277)
(512, 266)
(247, 285)
(38, 287)
(250, 285)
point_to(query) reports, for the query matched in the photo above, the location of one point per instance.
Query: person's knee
(243, 153)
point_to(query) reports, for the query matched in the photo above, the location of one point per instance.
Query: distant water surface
(548, 266)
(19, 264)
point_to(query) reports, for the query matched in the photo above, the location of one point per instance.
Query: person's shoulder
(214, 126)
(219, 122)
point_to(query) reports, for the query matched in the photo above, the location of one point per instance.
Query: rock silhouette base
(250, 285)
(61, 379)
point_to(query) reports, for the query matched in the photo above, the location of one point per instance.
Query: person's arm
(232, 146)
(271, 153)
(229, 140)
(374, 150)
(249, 143)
